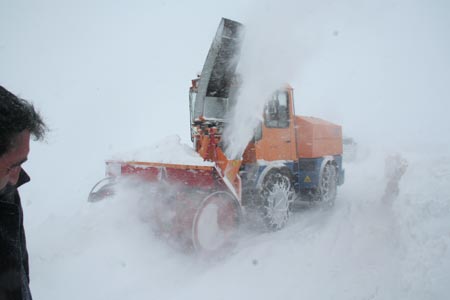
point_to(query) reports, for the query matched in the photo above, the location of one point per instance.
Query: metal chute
(218, 72)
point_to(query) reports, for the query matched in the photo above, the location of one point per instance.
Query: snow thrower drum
(192, 205)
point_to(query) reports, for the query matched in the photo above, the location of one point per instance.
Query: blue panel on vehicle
(308, 172)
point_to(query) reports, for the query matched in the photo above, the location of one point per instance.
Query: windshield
(212, 108)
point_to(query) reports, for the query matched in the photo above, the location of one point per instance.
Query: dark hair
(17, 115)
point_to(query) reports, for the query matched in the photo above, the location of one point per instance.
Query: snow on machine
(290, 158)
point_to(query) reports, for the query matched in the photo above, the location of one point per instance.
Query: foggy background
(112, 76)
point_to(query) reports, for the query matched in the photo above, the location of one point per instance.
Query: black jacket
(14, 274)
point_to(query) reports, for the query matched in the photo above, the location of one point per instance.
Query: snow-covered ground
(363, 248)
(112, 76)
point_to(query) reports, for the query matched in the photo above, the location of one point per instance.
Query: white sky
(378, 67)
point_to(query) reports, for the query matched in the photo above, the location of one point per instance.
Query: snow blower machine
(290, 158)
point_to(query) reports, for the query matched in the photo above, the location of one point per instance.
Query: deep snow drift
(361, 249)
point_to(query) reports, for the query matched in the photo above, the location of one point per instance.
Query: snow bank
(169, 150)
(423, 214)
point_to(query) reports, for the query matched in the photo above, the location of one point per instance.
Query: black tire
(277, 196)
(327, 189)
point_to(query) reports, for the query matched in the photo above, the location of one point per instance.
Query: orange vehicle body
(317, 137)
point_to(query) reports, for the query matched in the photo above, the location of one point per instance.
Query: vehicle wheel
(328, 185)
(215, 225)
(277, 194)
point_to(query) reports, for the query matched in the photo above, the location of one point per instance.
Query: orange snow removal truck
(289, 159)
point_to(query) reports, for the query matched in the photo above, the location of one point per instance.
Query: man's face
(10, 162)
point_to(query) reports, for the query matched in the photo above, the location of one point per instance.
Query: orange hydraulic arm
(208, 148)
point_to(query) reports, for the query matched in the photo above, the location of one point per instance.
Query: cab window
(276, 112)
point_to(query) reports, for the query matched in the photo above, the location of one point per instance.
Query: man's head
(18, 121)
